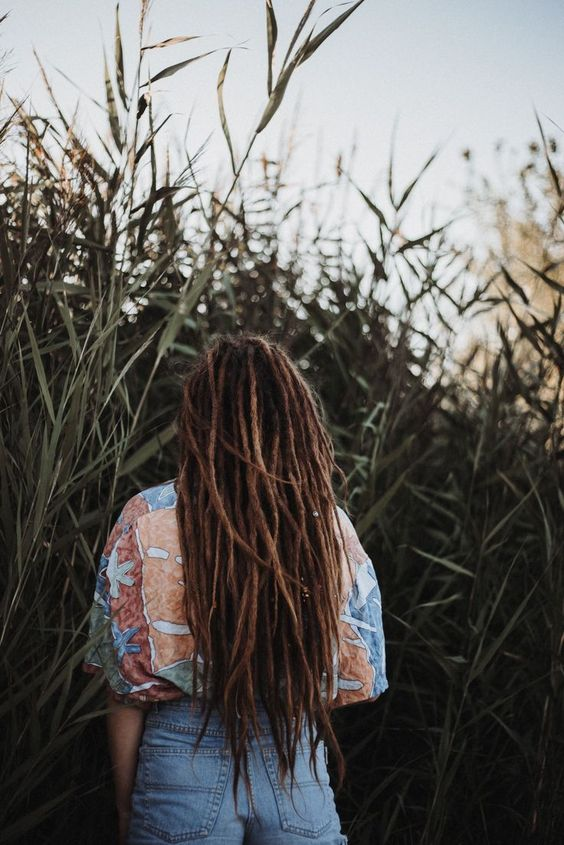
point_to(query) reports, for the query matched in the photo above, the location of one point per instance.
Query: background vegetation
(451, 443)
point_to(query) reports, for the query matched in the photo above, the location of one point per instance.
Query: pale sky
(451, 72)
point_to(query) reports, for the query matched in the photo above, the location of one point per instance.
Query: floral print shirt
(141, 643)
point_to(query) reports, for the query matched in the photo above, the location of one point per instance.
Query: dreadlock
(258, 535)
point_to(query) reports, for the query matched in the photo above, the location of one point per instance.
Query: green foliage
(452, 465)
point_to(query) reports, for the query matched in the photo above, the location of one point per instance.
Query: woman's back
(146, 652)
(240, 584)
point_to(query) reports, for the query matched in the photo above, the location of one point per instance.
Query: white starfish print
(117, 573)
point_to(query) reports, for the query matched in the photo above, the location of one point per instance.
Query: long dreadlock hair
(259, 538)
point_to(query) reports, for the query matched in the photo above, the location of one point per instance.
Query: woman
(234, 608)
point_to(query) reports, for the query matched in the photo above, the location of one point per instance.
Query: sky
(445, 73)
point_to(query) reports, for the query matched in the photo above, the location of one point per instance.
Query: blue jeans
(181, 796)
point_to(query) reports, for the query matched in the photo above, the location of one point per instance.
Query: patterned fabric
(140, 641)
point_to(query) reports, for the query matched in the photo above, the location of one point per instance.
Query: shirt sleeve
(118, 643)
(362, 654)
(107, 644)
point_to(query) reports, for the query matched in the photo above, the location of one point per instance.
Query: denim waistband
(186, 717)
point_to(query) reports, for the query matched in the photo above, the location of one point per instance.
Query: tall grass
(453, 464)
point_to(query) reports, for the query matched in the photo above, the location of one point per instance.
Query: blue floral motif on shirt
(121, 642)
(160, 496)
(101, 592)
(363, 611)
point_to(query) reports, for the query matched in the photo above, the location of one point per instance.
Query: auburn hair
(261, 547)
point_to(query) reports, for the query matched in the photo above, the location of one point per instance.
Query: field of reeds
(452, 449)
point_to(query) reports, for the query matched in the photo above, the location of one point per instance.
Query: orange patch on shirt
(163, 589)
(353, 666)
(134, 507)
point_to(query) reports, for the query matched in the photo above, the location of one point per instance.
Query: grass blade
(276, 97)
(448, 564)
(39, 368)
(222, 115)
(312, 44)
(120, 71)
(172, 69)
(149, 140)
(367, 520)
(271, 37)
(551, 168)
(112, 110)
(169, 42)
(412, 184)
